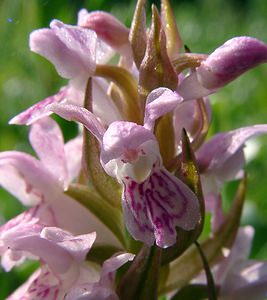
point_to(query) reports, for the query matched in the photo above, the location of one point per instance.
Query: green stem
(211, 286)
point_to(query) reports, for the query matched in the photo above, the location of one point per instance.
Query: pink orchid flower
(226, 63)
(63, 271)
(42, 182)
(75, 51)
(154, 201)
(222, 159)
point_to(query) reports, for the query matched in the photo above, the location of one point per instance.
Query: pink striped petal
(42, 285)
(154, 208)
(38, 111)
(230, 60)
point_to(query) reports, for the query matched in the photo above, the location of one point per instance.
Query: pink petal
(238, 254)
(73, 156)
(159, 102)
(154, 208)
(213, 204)
(46, 43)
(104, 288)
(38, 111)
(26, 178)
(190, 88)
(80, 41)
(77, 246)
(47, 141)
(79, 114)
(12, 181)
(103, 106)
(187, 115)
(214, 153)
(243, 279)
(110, 267)
(42, 285)
(123, 136)
(24, 225)
(70, 48)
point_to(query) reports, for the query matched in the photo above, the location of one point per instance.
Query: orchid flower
(226, 63)
(154, 201)
(61, 254)
(42, 182)
(222, 159)
(75, 51)
(63, 272)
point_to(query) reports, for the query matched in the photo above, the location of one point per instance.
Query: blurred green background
(26, 78)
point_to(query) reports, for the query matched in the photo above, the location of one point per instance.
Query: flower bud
(232, 59)
(107, 27)
(226, 63)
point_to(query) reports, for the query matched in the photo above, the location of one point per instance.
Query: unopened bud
(107, 27)
(226, 63)
(230, 60)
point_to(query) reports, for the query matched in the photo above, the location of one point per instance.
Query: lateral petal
(47, 140)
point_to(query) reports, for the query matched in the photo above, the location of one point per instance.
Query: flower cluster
(134, 186)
